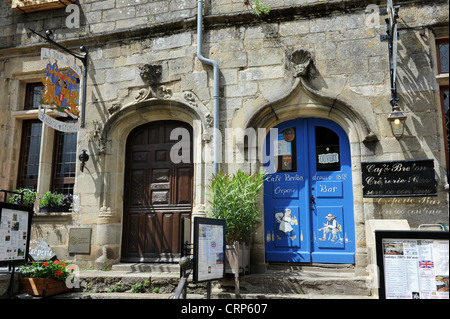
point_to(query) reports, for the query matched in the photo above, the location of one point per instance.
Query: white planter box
(238, 257)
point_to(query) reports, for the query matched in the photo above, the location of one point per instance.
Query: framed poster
(15, 228)
(209, 249)
(413, 264)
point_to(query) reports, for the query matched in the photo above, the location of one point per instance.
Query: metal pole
(83, 102)
(215, 65)
(208, 290)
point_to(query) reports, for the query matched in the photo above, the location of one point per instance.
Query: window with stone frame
(442, 61)
(29, 154)
(33, 95)
(64, 149)
(442, 55)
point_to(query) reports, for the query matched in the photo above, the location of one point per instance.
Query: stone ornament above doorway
(301, 59)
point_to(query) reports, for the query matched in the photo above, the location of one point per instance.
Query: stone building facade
(305, 60)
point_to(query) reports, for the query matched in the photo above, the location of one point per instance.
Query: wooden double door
(157, 193)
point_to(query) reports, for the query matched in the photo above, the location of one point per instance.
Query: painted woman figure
(284, 224)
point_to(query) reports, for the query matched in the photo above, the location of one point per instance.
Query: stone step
(128, 295)
(299, 283)
(147, 267)
(279, 280)
(313, 267)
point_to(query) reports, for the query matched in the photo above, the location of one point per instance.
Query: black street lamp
(83, 157)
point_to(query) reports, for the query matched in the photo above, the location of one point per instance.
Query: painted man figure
(332, 226)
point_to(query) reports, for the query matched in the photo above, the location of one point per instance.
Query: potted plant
(28, 195)
(234, 199)
(44, 278)
(53, 202)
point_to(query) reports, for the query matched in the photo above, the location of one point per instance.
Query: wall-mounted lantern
(397, 121)
(83, 157)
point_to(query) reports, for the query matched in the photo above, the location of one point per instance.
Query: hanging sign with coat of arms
(61, 94)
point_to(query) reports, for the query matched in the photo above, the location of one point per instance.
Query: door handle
(313, 204)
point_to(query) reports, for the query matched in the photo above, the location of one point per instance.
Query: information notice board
(15, 228)
(413, 264)
(209, 249)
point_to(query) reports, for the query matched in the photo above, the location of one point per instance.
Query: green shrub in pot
(234, 198)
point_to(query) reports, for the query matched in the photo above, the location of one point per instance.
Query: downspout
(215, 66)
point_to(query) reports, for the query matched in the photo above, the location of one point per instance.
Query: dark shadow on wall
(418, 94)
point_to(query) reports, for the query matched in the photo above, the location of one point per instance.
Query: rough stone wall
(350, 64)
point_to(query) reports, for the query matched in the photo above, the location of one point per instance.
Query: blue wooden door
(308, 196)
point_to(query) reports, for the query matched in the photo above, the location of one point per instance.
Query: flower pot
(238, 257)
(42, 287)
(57, 209)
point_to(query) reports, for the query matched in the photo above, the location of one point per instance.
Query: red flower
(45, 263)
(56, 261)
(58, 272)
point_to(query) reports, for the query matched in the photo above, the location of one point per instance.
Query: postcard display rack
(413, 264)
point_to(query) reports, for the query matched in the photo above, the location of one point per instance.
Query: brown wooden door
(158, 193)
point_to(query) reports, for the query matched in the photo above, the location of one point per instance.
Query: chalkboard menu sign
(40, 250)
(399, 179)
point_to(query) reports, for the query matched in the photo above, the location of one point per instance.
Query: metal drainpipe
(215, 66)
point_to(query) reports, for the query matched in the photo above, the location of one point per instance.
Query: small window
(287, 151)
(29, 154)
(445, 119)
(33, 95)
(442, 55)
(327, 150)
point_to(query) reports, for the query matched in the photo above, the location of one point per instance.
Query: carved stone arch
(303, 100)
(187, 103)
(114, 134)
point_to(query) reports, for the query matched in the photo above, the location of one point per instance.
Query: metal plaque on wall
(80, 240)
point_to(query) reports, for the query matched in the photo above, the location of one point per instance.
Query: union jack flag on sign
(426, 264)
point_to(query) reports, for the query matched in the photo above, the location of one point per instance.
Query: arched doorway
(308, 201)
(157, 193)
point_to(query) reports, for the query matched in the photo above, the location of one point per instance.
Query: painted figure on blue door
(284, 224)
(331, 226)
